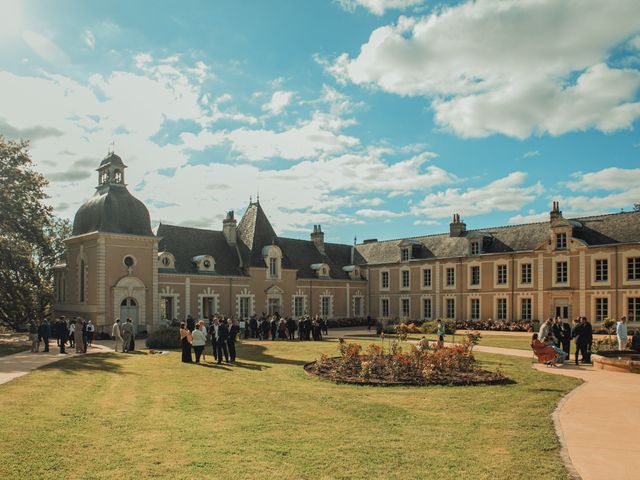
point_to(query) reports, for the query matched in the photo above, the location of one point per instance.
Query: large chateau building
(117, 266)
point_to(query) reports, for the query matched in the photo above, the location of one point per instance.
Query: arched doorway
(129, 309)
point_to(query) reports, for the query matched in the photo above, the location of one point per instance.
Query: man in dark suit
(191, 323)
(588, 338)
(62, 333)
(253, 326)
(291, 328)
(579, 336)
(221, 342)
(213, 333)
(234, 328)
(566, 337)
(45, 333)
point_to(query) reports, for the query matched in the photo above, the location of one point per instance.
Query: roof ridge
(189, 228)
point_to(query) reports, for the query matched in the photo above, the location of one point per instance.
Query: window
(475, 275)
(501, 313)
(475, 248)
(561, 241)
(166, 308)
(129, 261)
(358, 311)
(451, 308)
(166, 261)
(426, 308)
(208, 306)
(298, 306)
(525, 309)
(451, 277)
(117, 176)
(245, 307)
(633, 309)
(406, 254)
(562, 272)
(384, 280)
(405, 278)
(384, 307)
(602, 309)
(501, 276)
(273, 268)
(426, 278)
(475, 309)
(325, 306)
(633, 268)
(526, 273)
(405, 307)
(83, 272)
(602, 270)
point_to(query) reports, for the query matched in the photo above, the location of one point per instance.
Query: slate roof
(254, 233)
(184, 243)
(301, 254)
(596, 230)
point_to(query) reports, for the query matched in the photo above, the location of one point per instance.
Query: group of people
(124, 334)
(77, 332)
(221, 333)
(552, 343)
(280, 328)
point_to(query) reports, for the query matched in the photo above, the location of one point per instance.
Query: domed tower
(111, 268)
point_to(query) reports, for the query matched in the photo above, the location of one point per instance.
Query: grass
(106, 416)
(519, 342)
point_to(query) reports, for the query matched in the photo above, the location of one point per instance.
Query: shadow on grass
(98, 362)
(258, 354)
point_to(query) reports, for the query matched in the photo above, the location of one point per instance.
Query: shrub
(168, 337)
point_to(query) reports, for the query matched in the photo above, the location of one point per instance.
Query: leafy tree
(30, 238)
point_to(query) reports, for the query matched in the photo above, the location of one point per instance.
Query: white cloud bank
(516, 67)
(378, 7)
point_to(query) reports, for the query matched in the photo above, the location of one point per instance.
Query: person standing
(85, 337)
(72, 333)
(621, 333)
(566, 337)
(62, 332)
(253, 326)
(213, 333)
(127, 335)
(440, 332)
(91, 328)
(116, 333)
(588, 333)
(323, 326)
(191, 323)
(33, 336)
(265, 329)
(185, 342)
(274, 327)
(369, 322)
(291, 328)
(198, 340)
(77, 333)
(221, 342)
(46, 333)
(231, 341)
(545, 330)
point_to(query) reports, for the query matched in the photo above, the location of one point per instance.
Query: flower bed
(438, 366)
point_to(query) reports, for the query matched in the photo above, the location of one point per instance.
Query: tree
(30, 238)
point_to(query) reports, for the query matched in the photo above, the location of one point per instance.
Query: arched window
(117, 176)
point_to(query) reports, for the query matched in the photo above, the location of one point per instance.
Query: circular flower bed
(438, 366)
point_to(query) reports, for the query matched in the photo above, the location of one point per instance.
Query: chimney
(229, 228)
(456, 227)
(555, 212)
(317, 237)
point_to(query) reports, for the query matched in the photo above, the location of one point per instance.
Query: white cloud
(375, 213)
(505, 194)
(46, 49)
(279, 101)
(550, 75)
(612, 178)
(89, 39)
(371, 202)
(426, 222)
(531, 154)
(378, 7)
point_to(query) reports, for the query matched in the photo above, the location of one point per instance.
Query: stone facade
(116, 266)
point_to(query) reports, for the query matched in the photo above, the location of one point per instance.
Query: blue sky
(375, 118)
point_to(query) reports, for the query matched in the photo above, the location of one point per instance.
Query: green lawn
(107, 416)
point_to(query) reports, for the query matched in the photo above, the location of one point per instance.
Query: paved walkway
(19, 364)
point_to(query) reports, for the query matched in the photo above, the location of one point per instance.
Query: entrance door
(562, 311)
(129, 309)
(274, 306)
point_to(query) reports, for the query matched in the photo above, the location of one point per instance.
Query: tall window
(633, 309)
(325, 306)
(405, 307)
(525, 309)
(475, 275)
(405, 278)
(384, 307)
(501, 314)
(273, 267)
(633, 268)
(525, 273)
(562, 272)
(208, 306)
(426, 308)
(358, 311)
(502, 275)
(244, 307)
(298, 306)
(475, 309)
(561, 241)
(602, 270)
(451, 308)
(406, 254)
(475, 248)
(451, 276)
(384, 280)
(602, 309)
(83, 272)
(426, 278)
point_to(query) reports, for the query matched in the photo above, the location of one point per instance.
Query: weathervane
(111, 148)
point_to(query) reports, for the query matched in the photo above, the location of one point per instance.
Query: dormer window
(273, 267)
(561, 241)
(321, 269)
(273, 261)
(104, 177)
(352, 270)
(204, 263)
(406, 254)
(475, 248)
(166, 260)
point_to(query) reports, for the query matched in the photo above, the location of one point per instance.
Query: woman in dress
(622, 333)
(199, 340)
(545, 353)
(185, 339)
